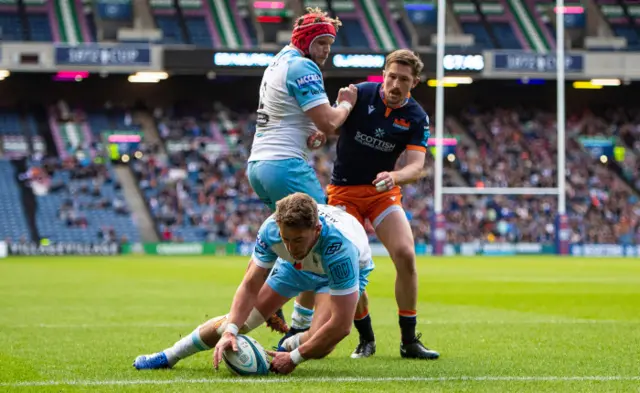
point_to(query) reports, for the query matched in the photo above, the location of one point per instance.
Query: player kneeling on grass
(330, 255)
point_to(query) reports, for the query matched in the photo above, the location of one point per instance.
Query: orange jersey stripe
(417, 148)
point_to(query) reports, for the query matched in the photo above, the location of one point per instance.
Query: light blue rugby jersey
(291, 85)
(341, 251)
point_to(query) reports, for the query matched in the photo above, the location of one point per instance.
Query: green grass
(501, 324)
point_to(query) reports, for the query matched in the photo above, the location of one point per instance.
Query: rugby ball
(251, 358)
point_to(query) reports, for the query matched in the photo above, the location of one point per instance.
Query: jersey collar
(388, 109)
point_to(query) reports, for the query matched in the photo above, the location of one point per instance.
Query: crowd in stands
(196, 187)
(82, 192)
(208, 189)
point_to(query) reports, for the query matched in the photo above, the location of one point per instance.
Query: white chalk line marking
(330, 380)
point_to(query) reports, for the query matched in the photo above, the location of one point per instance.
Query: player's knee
(346, 331)
(404, 258)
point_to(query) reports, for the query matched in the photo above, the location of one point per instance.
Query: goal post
(438, 220)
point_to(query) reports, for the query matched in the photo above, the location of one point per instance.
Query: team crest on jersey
(341, 270)
(401, 124)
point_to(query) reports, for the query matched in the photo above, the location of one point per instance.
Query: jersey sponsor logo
(401, 124)
(262, 119)
(313, 91)
(261, 243)
(379, 132)
(305, 80)
(371, 109)
(333, 248)
(374, 143)
(341, 271)
(328, 217)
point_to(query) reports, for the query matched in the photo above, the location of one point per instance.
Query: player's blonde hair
(298, 211)
(405, 57)
(320, 15)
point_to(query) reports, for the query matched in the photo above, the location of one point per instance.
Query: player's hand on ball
(227, 341)
(281, 362)
(384, 181)
(316, 140)
(349, 94)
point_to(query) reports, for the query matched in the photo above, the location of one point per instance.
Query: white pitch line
(286, 380)
(470, 322)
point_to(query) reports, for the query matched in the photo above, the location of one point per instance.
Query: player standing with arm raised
(385, 122)
(330, 255)
(293, 114)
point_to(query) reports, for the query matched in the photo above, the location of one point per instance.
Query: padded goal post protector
(563, 234)
(438, 233)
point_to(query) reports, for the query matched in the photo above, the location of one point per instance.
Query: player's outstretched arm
(305, 84)
(245, 298)
(413, 170)
(327, 118)
(410, 173)
(324, 340)
(343, 307)
(243, 302)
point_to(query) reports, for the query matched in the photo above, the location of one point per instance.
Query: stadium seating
(492, 149)
(204, 195)
(11, 26)
(84, 200)
(14, 224)
(491, 19)
(622, 16)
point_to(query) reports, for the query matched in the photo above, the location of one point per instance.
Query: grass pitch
(501, 324)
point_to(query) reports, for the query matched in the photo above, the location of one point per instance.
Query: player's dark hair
(405, 57)
(298, 211)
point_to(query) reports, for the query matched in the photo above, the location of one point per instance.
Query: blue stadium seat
(52, 227)
(356, 39)
(481, 35)
(14, 224)
(10, 123)
(39, 27)
(11, 27)
(198, 31)
(506, 37)
(171, 33)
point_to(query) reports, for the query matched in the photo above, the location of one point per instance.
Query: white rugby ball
(251, 358)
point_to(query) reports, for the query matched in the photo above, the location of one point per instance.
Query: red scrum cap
(309, 27)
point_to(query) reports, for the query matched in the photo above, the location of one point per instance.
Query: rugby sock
(362, 322)
(186, 347)
(300, 318)
(407, 319)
